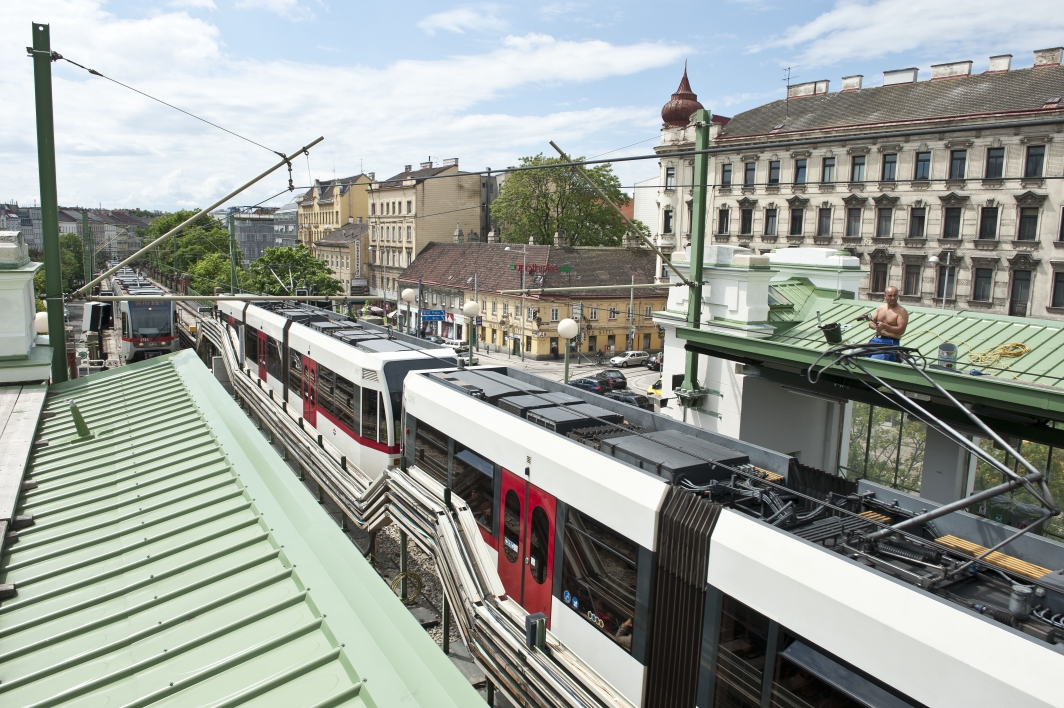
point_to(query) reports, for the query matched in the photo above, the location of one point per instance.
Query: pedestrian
(554, 351)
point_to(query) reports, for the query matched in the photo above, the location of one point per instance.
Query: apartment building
(344, 251)
(329, 204)
(963, 167)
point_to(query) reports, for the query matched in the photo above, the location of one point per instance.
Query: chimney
(951, 70)
(451, 161)
(1002, 62)
(900, 76)
(852, 83)
(809, 88)
(458, 235)
(350, 219)
(1048, 57)
(426, 165)
(493, 237)
(561, 240)
(407, 168)
(372, 176)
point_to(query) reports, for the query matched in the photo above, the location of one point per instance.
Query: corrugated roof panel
(174, 561)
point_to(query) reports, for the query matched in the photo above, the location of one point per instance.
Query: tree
(885, 463)
(203, 236)
(534, 204)
(279, 269)
(212, 271)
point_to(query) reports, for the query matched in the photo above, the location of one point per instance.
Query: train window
(599, 572)
(150, 319)
(511, 533)
(295, 372)
(430, 451)
(741, 656)
(537, 554)
(473, 480)
(382, 420)
(251, 344)
(369, 414)
(345, 403)
(326, 382)
(274, 365)
(397, 415)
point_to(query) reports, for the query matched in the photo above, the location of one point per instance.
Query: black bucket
(832, 332)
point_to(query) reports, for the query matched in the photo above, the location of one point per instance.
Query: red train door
(262, 355)
(526, 554)
(310, 391)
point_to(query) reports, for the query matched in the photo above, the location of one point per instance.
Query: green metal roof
(176, 560)
(1031, 383)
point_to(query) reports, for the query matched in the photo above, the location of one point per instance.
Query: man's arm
(896, 330)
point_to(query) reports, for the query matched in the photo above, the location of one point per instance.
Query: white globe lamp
(567, 329)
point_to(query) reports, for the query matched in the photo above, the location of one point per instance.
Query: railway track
(491, 625)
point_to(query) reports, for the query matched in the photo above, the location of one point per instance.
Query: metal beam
(225, 298)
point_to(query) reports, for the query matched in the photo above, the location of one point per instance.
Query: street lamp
(408, 297)
(567, 329)
(471, 309)
(945, 283)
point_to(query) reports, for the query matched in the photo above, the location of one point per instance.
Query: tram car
(343, 377)
(692, 569)
(148, 328)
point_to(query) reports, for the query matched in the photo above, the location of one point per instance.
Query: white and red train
(149, 328)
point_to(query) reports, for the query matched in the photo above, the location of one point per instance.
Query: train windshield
(150, 319)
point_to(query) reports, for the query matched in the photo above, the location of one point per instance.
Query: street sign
(432, 315)
(480, 321)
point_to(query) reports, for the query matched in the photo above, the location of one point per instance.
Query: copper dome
(677, 112)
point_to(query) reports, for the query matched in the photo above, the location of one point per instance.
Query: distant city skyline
(485, 82)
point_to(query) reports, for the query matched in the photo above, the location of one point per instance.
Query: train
(687, 568)
(149, 328)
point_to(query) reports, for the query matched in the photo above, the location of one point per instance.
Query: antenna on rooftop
(787, 78)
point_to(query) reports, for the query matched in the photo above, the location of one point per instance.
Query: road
(639, 377)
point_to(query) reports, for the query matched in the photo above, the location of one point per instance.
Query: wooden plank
(1001, 560)
(16, 442)
(875, 516)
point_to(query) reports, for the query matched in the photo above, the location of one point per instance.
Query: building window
(957, 161)
(911, 286)
(995, 163)
(823, 222)
(857, 165)
(746, 221)
(951, 226)
(373, 208)
(648, 310)
(982, 284)
(922, 169)
(853, 222)
(554, 314)
(827, 174)
(506, 309)
(890, 167)
(409, 206)
(774, 172)
(749, 170)
(612, 313)
(409, 233)
(877, 281)
(592, 313)
(988, 223)
(1058, 289)
(1021, 293)
(531, 313)
(667, 226)
(883, 222)
(1028, 224)
(725, 175)
(917, 220)
(722, 221)
(494, 306)
(770, 222)
(799, 171)
(796, 221)
(670, 178)
(947, 282)
(1036, 155)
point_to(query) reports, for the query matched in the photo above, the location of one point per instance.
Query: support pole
(53, 276)
(446, 626)
(489, 689)
(86, 242)
(232, 255)
(698, 246)
(567, 343)
(402, 565)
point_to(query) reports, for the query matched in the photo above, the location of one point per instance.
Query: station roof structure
(174, 559)
(1018, 395)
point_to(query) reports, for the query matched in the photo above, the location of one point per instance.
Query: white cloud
(291, 9)
(119, 148)
(936, 31)
(193, 4)
(481, 18)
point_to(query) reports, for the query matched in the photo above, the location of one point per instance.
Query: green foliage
(1004, 509)
(71, 257)
(534, 204)
(212, 271)
(884, 465)
(280, 268)
(204, 236)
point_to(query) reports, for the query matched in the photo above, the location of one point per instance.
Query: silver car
(630, 358)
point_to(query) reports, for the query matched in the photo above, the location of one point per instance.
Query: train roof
(833, 513)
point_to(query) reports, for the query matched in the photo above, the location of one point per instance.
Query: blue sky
(390, 84)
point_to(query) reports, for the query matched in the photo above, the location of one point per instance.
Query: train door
(310, 391)
(526, 557)
(262, 355)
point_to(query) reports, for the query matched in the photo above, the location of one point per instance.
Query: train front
(148, 329)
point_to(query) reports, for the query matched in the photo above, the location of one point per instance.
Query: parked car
(460, 346)
(655, 362)
(633, 399)
(629, 358)
(435, 339)
(616, 378)
(591, 383)
(655, 388)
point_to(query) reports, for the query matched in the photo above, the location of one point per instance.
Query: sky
(390, 84)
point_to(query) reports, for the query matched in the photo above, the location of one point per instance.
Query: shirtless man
(889, 321)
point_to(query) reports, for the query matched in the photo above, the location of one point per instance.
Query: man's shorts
(884, 340)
